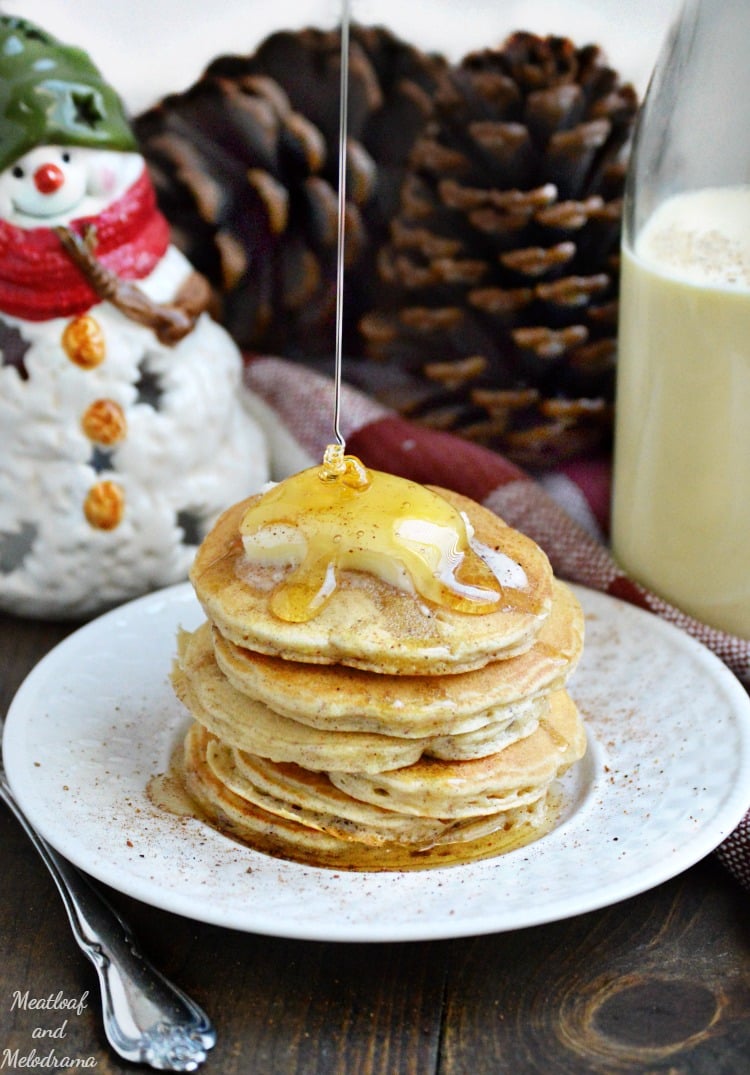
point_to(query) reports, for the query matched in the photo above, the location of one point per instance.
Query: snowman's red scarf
(38, 281)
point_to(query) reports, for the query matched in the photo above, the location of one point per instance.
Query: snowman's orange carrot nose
(48, 178)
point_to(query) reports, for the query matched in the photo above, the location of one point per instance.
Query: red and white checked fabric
(565, 513)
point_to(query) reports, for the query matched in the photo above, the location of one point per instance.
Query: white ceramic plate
(666, 778)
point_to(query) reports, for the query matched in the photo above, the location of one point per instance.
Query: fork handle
(145, 1015)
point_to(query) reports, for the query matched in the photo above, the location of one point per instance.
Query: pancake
(432, 788)
(343, 698)
(415, 806)
(368, 623)
(252, 726)
(381, 679)
(312, 800)
(284, 837)
(522, 719)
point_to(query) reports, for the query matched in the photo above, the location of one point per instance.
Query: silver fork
(147, 1019)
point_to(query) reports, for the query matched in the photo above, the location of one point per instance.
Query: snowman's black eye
(66, 157)
(18, 172)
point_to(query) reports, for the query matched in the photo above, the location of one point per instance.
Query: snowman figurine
(124, 425)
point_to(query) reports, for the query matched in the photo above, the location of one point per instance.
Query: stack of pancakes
(385, 731)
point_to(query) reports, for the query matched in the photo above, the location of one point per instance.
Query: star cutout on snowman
(87, 111)
(105, 490)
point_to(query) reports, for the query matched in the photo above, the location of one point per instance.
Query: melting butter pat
(326, 520)
(279, 545)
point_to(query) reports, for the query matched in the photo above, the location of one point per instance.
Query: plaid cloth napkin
(565, 512)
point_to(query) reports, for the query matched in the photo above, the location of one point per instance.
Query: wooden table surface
(659, 983)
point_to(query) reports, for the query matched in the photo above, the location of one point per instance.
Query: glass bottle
(681, 486)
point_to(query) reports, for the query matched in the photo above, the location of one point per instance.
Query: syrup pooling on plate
(342, 516)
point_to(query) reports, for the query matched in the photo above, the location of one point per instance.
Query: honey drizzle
(343, 517)
(341, 244)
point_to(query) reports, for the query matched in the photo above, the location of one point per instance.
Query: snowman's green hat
(51, 93)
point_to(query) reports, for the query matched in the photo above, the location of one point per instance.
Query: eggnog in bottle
(681, 504)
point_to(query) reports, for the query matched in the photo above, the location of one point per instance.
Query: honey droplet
(104, 505)
(345, 468)
(342, 516)
(104, 422)
(83, 342)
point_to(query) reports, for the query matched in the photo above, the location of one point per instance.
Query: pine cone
(498, 304)
(245, 166)
(238, 175)
(390, 98)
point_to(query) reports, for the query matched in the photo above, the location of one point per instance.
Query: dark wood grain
(658, 984)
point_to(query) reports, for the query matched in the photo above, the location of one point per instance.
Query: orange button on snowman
(124, 425)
